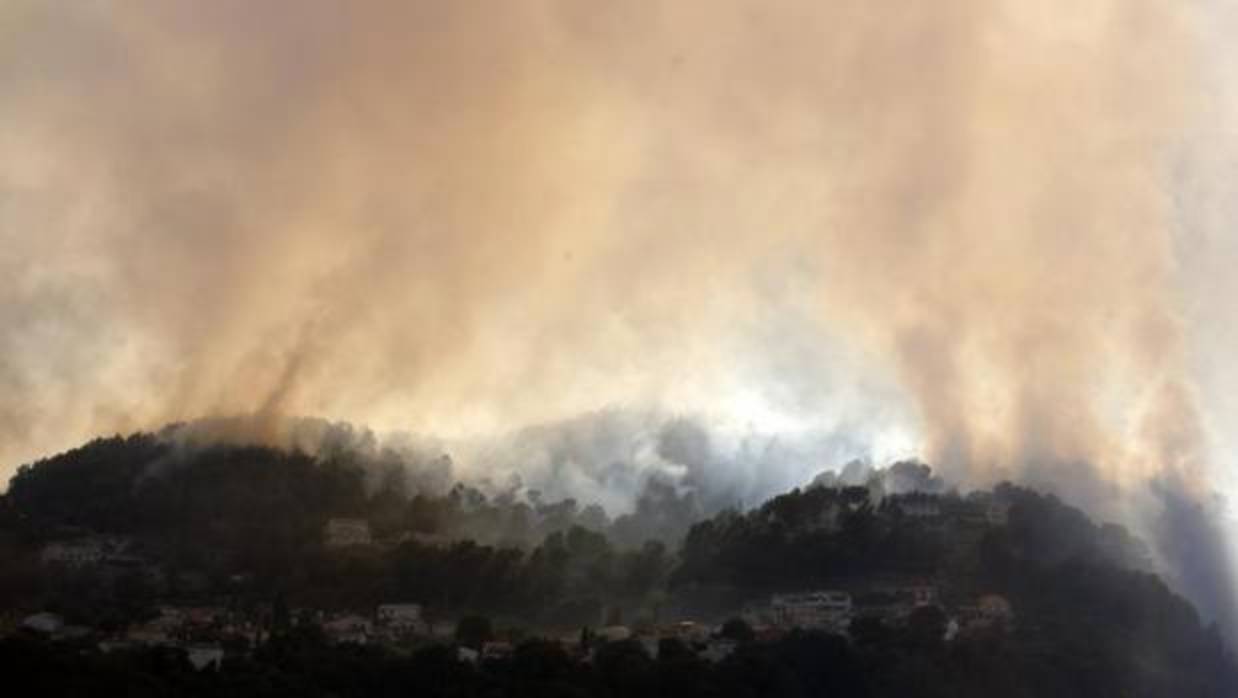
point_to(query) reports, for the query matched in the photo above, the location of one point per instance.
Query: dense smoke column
(955, 221)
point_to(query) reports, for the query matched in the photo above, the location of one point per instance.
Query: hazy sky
(995, 233)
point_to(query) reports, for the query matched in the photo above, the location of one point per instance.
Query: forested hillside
(244, 528)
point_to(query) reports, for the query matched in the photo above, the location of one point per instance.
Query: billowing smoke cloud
(610, 457)
(953, 228)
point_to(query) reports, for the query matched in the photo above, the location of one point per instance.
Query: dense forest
(245, 525)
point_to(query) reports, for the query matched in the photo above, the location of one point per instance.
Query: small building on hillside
(83, 552)
(399, 613)
(343, 533)
(496, 649)
(114, 645)
(348, 629)
(205, 657)
(894, 602)
(811, 610)
(401, 619)
(912, 595)
(614, 633)
(45, 623)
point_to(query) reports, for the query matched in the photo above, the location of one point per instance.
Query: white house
(46, 623)
(108, 646)
(205, 656)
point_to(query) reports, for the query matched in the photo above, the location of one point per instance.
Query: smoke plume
(964, 229)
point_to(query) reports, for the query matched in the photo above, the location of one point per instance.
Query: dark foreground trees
(899, 665)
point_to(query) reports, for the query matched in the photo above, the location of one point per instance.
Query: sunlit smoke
(962, 228)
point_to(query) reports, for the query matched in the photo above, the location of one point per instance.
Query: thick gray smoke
(967, 229)
(608, 458)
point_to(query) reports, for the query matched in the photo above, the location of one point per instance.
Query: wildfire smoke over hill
(983, 232)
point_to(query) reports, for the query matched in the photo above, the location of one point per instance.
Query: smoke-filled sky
(994, 233)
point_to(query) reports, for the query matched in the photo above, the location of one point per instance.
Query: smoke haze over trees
(1091, 616)
(655, 256)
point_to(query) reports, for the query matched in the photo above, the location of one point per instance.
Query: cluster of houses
(964, 517)
(979, 509)
(111, 557)
(53, 626)
(204, 632)
(707, 642)
(813, 609)
(391, 623)
(344, 534)
(892, 604)
(170, 629)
